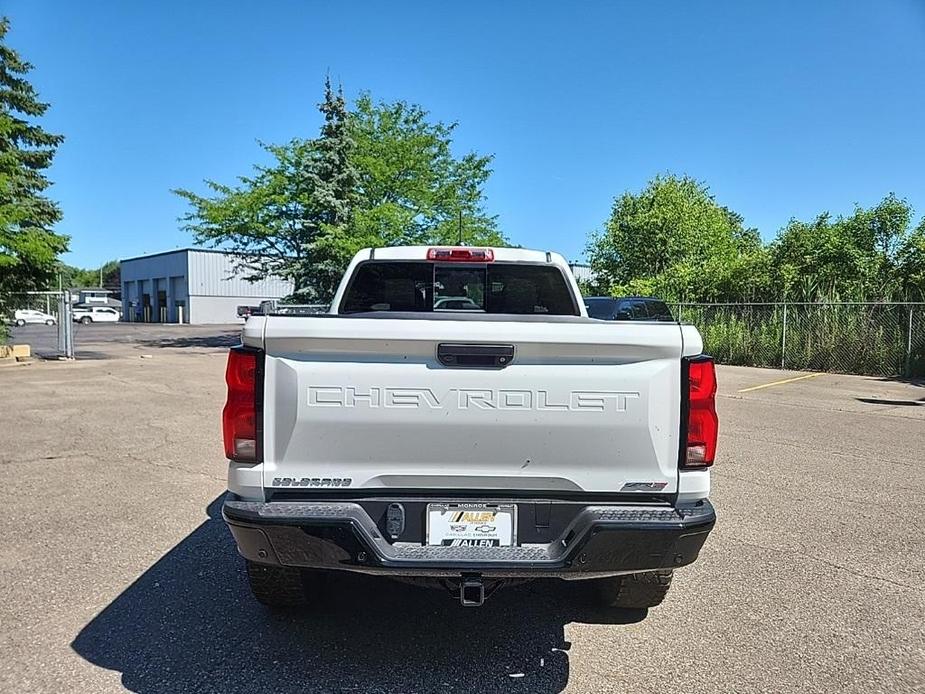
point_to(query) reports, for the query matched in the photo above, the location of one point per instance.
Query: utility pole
(460, 228)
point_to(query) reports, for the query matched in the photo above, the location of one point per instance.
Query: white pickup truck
(458, 420)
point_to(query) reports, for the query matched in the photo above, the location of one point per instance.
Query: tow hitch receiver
(472, 591)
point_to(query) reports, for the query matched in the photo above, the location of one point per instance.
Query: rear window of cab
(424, 286)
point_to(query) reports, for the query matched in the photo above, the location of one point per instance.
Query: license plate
(471, 525)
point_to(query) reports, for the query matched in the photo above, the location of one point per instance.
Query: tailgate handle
(474, 356)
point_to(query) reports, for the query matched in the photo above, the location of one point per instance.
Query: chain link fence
(42, 320)
(876, 339)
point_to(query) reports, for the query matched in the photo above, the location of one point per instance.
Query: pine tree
(333, 180)
(335, 177)
(28, 246)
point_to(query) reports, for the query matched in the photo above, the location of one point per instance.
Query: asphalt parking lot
(117, 572)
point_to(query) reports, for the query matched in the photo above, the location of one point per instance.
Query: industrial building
(191, 285)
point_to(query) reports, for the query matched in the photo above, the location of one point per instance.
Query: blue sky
(783, 108)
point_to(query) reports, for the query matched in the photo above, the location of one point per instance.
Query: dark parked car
(627, 308)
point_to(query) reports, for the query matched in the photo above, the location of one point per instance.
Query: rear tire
(49, 322)
(20, 322)
(633, 591)
(277, 586)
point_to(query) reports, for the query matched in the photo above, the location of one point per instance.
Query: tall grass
(868, 339)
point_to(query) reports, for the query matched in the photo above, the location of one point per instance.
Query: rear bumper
(596, 540)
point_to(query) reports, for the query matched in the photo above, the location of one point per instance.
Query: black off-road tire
(633, 591)
(277, 586)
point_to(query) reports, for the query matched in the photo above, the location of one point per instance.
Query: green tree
(911, 264)
(71, 277)
(674, 240)
(112, 275)
(379, 175)
(847, 258)
(413, 190)
(29, 248)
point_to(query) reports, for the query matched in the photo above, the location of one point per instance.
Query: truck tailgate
(365, 403)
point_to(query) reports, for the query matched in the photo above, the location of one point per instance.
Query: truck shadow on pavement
(189, 623)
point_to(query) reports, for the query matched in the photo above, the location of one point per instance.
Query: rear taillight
(240, 416)
(702, 422)
(461, 255)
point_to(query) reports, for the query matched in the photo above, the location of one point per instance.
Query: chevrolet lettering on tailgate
(466, 398)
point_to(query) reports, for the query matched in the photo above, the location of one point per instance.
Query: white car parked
(95, 314)
(26, 315)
